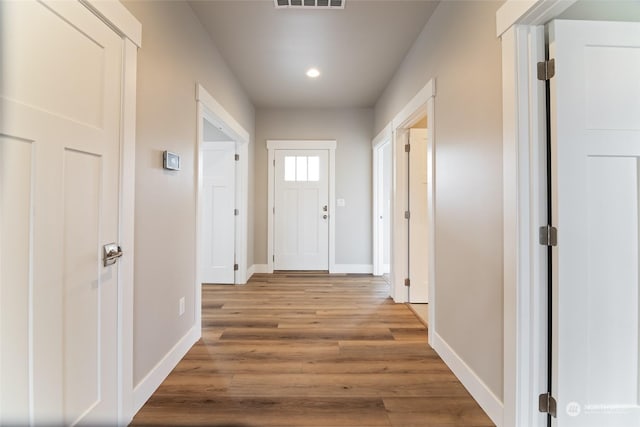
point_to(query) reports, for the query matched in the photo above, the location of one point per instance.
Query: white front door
(301, 235)
(595, 122)
(59, 204)
(418, 221)
(218, 219)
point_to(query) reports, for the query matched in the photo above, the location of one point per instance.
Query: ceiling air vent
(309, 4)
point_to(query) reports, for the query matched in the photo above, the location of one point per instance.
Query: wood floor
(310, 350)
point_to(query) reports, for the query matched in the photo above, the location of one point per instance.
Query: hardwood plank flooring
(296, 349)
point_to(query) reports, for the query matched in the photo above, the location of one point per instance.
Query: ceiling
(357, 49)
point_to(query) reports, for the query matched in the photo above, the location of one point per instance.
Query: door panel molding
(272, 146)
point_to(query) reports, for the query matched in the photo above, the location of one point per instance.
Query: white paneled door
(301, 211)
(418, 222)
(595, 99)
(218, 205)
(60, 103)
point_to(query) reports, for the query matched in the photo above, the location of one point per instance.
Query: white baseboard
(474, 385)
(259, 269)
(251, 271)
(337, 268)
(149, 384)
(352, 268)
(386, 268)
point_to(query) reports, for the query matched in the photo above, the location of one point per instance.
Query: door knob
(325, 208)
(324, 216)
(111, 253)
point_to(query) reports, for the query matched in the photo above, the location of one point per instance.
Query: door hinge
(547, 404)
(236, 212)
(548, 235)
(407, 215)
(237, 157)
(274, 162)
(273, 209)
(407, 282)
(235, 267)
(273, 258)
(407, 148)
(546, 69)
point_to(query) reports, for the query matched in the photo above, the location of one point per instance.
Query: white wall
(458, 48)
(176, 54)
(353, 131)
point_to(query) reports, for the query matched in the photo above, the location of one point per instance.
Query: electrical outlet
(181, 307)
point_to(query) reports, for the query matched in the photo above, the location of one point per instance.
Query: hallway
(310, 350)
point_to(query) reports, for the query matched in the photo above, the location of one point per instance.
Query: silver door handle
(324, 216)
(325, 208)
(111, 253)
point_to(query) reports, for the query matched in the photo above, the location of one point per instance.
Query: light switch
(341, 203)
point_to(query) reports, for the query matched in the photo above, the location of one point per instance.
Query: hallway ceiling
(356, 49)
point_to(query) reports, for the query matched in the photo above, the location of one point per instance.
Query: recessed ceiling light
(313, 73)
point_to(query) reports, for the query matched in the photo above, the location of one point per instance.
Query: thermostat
(171, 161)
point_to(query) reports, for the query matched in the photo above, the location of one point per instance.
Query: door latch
(111, 253)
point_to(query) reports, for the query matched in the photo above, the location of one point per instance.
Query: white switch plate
(341, 203)
(181, 307)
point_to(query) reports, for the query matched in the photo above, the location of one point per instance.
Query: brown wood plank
(310, 349)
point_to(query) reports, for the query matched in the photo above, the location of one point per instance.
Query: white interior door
(595, 99)
(59, 202)
(301, 235)
(218, 218)
(418, 222)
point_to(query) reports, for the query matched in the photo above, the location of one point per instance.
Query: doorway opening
(410, 136)
(221, 202)
(382, 181)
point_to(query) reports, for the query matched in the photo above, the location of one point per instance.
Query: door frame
(420, 106)
(520, 26)
(118, 18)
(298, 144)
(125, 24)
(379, 142)
(208, 108)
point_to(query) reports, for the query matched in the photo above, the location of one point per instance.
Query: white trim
(378, 143)
(411, 112)
(386, 268)
(150, 383)
(260, 269)
(524, 206)
(221, 117)
(421, 105)
(118, 17)
(126, 234)
(383, 136)
(488, 401)
(300, 144)
(210, 109)
(529, 12)
(352, 269)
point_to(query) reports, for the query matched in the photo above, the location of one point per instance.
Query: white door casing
(218, 217)
(418, 221)
(595, 123)
(301, 235)
(420, 106)
(273, 146)
(60, 153)
(381, 221)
